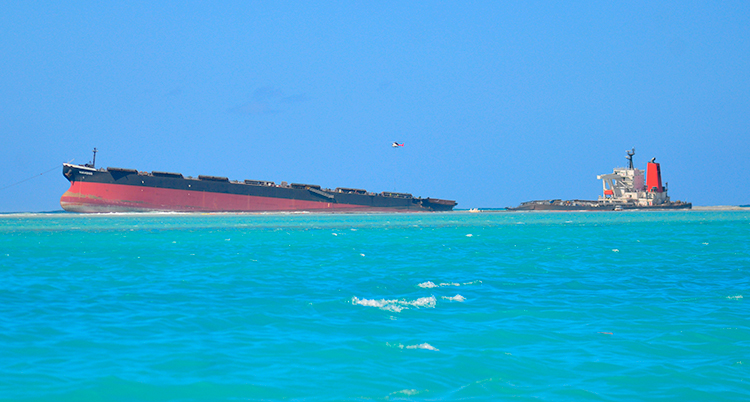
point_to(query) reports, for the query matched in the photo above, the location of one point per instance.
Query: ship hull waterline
(102, 198)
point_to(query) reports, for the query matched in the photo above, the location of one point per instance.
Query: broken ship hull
(127, 190)
(578, 205)
(624, 188)
(559, 205)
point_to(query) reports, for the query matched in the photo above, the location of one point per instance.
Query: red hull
(106, 197)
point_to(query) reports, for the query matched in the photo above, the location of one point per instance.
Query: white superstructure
(630, 186)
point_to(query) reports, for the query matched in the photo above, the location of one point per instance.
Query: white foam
(372, 303)
(735, 297)
(396, 305)
(424, 302)
(427, 284)
(457, 298)
(425, 346)
(407, 392)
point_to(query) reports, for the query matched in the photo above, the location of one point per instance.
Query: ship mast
(93, 163)
(629, 158)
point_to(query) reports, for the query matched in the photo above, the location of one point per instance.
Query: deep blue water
(636, 306)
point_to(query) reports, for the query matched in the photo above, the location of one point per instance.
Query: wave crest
(396, 305)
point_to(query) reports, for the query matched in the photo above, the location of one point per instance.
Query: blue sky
(496, 102)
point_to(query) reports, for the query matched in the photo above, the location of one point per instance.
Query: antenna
(630, 158)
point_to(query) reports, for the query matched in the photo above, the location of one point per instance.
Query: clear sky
(496, 102)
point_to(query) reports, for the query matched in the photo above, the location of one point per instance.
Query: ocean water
(638, 306)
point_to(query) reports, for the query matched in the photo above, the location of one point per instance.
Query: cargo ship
(112, 189)
(624, 188)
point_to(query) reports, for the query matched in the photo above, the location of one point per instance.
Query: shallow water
(450, 306)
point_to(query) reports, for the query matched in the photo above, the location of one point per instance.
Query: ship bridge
(628, 185)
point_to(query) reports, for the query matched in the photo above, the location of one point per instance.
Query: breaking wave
(425, 346)
(396, 305)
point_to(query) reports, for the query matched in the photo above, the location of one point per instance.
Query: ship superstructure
(633, 187)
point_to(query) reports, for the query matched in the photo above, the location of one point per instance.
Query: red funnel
(653, 178)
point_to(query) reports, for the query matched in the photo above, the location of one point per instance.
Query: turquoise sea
(622, 306)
